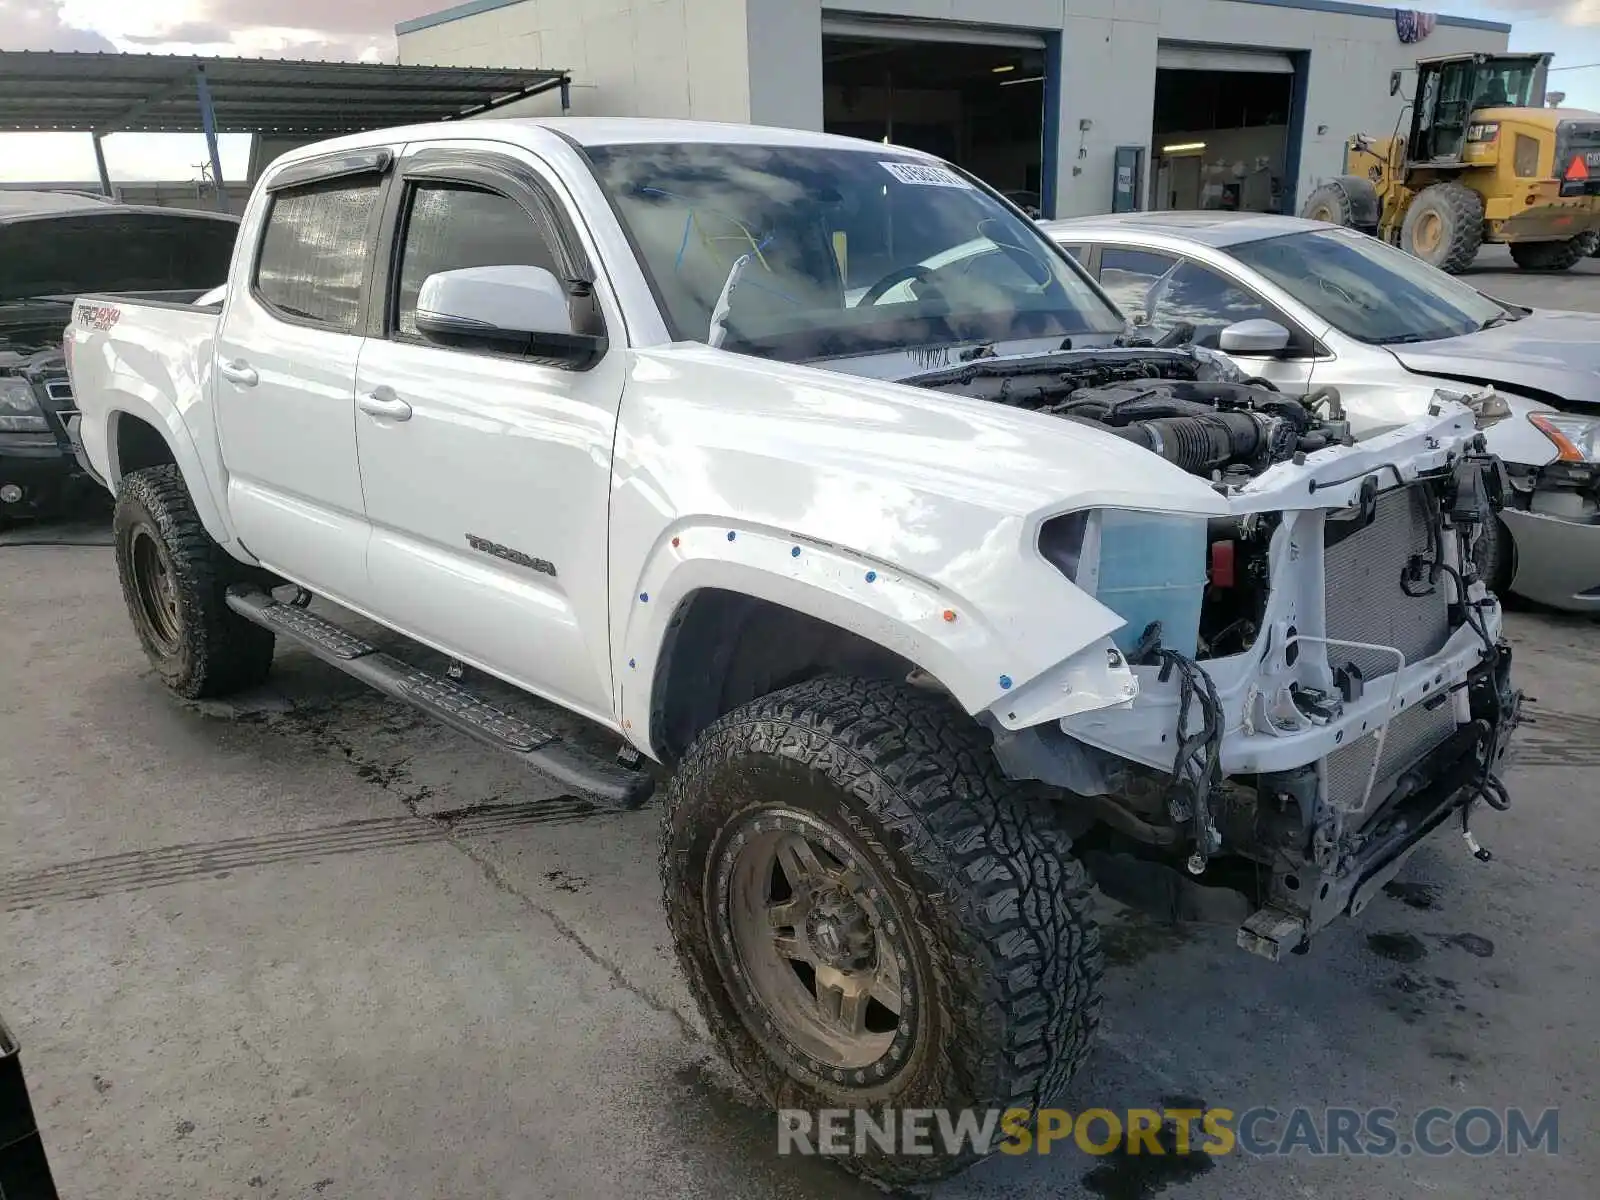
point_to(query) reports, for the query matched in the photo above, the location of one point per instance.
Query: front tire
(1551, 256)
(1340, 200)
(173, 579)
(1444, 226)
(870, 916)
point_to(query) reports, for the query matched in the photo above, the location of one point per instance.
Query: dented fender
(875, 507)
(936, 630)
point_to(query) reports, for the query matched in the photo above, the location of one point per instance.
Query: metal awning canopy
(99, 94)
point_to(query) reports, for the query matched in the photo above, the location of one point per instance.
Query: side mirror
(1254, 337)
(519, 310)
(1139, 320)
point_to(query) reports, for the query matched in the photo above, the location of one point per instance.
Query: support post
(100, 162)
(208, 118)
(566, 95)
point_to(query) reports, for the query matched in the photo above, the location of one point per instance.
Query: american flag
(1413, 26)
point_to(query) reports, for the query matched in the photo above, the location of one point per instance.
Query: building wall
(1108, 69)
(628, 58)
(761, 60)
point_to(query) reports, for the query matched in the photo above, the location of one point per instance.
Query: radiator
(1365, 601)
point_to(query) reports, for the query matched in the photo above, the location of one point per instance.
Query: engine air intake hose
(1198, 444)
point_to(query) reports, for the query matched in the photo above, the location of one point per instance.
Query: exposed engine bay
(1197, 412)
(1200, 414)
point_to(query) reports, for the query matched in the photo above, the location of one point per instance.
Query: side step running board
(444, 700)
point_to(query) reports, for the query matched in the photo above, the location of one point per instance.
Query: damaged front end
(1303, 689)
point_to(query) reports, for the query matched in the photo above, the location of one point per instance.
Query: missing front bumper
(1306, 897)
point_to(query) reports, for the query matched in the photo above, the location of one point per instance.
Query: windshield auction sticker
(924, 174)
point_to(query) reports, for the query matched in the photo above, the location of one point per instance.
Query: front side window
(1196, 295)
(1129, 276)
(835, 251)
(1368, 290)
(450, 227)
(316, 250)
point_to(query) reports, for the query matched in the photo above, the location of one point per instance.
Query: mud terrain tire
(173, 578)
(965, 883)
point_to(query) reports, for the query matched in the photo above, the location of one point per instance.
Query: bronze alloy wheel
(813, 950)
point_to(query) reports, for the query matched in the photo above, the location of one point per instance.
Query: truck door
(287, 347)
(487, 476)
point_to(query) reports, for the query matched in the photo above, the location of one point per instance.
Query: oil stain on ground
(1478, 947)
(1397, 947)
(1413, 895)
(1123, 1175)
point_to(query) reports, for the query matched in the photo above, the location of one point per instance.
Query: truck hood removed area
(1556, 353)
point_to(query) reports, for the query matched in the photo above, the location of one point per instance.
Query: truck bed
(151, 360)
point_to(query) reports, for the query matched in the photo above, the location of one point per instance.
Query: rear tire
(1551, 256)
(173, 579)
(1444, 226)
(925, 866)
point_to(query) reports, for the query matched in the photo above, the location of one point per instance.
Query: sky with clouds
(363, 30)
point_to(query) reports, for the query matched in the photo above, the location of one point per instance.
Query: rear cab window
(316, 251)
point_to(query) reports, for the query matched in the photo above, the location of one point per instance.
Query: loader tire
(1350, 202)
(870, 917)
(1444, 227)
(173, 579)
(1550, 256)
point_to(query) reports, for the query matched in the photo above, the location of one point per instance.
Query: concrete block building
(1074, 106)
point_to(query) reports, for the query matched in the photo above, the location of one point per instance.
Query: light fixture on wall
(1184, 148)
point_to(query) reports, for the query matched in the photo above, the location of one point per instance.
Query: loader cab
(1449, 90)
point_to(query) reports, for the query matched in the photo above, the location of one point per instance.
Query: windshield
(800, 253)
(1502, 83)
(114, 251)
(1368, 290)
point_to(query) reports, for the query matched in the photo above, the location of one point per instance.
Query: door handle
(382, 402)
(240, 372)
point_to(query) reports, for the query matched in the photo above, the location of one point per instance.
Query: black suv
(55, 246)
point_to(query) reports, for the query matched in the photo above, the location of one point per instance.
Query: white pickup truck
(909, 564)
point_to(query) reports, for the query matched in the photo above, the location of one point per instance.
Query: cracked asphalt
(306, 944)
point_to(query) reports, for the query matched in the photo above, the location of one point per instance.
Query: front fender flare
(912, 617)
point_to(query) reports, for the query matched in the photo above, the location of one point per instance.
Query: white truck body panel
(905, 516)
(159, 370)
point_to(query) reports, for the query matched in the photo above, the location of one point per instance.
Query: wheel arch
(705, 634)
(138, 437)
(722, 648)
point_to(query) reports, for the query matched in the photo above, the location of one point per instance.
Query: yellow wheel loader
(1483, 162)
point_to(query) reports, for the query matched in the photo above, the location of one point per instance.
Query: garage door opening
(1222, 126)
(979, 104)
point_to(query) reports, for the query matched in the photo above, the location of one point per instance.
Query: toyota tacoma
(910, 565)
